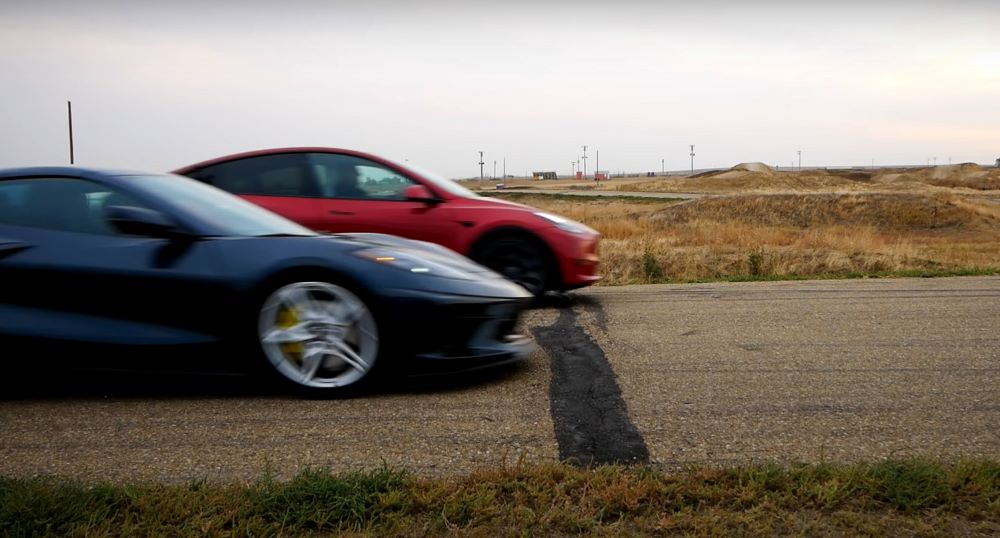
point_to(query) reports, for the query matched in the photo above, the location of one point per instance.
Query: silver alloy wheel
(318, 334)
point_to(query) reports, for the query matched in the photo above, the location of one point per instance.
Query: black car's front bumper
(436, 333)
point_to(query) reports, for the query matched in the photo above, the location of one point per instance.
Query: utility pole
(494, 169)
(69, 111)
(800, 159)
(692, 158)
(584, 161)
(597, 169)
(505, 168)
(572, 164)
(663, 167)
(480, 168)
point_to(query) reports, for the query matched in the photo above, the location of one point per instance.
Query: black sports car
(116, 269)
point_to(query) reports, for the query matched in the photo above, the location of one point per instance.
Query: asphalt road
(671, 375)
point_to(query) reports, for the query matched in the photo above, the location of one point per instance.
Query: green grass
(896, 497)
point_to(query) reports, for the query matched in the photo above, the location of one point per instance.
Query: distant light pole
(597, 169)
(800, 159)
(663, 167)
(505, 167)
(481, 167)
(584, 161)
(572, 165)
(69, 111)
(692, 158)
(494, 169)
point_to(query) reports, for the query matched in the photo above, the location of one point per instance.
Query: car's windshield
(447, 184)
(224, 213)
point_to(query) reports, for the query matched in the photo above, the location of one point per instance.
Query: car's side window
(347, 176)
(63, 204)
(267, 175)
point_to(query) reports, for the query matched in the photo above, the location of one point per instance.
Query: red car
(338, 190)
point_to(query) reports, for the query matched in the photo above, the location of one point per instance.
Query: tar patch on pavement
(591, 420)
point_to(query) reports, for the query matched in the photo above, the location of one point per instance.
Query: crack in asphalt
(591, 419)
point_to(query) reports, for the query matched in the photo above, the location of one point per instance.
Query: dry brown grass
(760, 179)
(778, 236)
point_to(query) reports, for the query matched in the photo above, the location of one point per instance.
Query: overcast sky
(157, 85)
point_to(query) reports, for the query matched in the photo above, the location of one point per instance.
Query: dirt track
(711, 373)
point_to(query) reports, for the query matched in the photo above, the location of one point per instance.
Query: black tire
(317, 338)
(520, 259)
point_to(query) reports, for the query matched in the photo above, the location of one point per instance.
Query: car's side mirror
(131, 220)
(420, 193)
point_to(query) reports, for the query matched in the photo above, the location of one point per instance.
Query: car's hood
(431, 252)
(504, 203)
(546, 218)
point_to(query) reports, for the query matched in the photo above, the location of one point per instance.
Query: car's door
(360, 195)
(66, 274)
(283, 183)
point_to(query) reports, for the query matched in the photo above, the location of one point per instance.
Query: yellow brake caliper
(288, 318)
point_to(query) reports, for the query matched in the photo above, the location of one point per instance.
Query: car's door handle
(11, 247)
(335, 212)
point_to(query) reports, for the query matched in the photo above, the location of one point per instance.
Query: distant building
(543, 175)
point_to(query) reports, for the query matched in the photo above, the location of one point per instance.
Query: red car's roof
(277, 151)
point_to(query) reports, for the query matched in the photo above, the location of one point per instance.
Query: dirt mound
(884, 211)
(965, 175)
(742, 171)
(964, 169)
(753, 167)
(761, 178)
(758, 178)
(745, 181)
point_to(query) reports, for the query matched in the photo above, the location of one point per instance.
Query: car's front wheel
(520, 259)
(319, 337)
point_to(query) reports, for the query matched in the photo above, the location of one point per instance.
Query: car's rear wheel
(318, 337)
(520, 259)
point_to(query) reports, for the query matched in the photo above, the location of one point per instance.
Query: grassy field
(892, 498)
(758, 178)
(786, 235)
